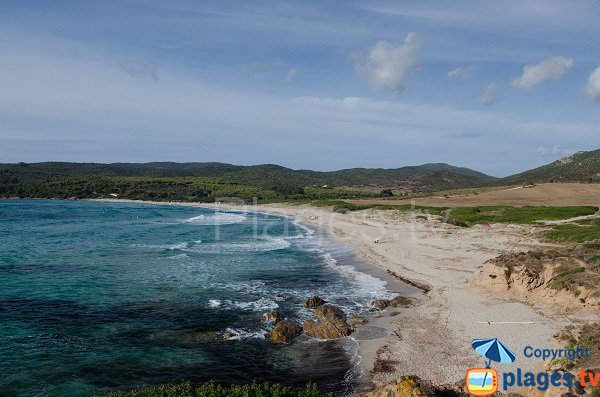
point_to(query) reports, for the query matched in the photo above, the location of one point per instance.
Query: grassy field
(573, 233)
(549, 194)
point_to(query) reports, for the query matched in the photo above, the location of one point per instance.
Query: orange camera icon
(481, 381)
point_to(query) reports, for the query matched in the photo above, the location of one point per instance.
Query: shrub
(214, 390)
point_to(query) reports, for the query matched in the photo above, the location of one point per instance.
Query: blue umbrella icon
(493, 350)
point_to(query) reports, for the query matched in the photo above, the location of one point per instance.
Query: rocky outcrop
(285, 331)
(273, 315)
(330, 313)
(356, 321)
(380, 304)
(332, 323)
(401, 301)
(314, 302)
(327, 329)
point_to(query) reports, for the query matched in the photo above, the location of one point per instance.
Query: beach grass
(214, 390)
(474, 215)
(520, 215)
(574, 233)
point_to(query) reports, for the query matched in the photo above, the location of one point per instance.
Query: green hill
(427, 177)
(580, 167)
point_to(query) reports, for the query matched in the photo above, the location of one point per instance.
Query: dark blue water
(99, 296)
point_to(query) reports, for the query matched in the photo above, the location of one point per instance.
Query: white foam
(239, 334)
(368, 285)
(258, 245)
(261, 305)
(218, 218)
(214, 303)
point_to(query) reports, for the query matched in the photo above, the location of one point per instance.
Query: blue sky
(495, 86)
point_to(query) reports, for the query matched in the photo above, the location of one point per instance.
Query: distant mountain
(580, 167)
(422, 178)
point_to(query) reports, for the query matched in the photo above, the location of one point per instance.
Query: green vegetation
(286, 182)
(581, 167)
(213, 390)
(571, 233)
(521, 215)
(476, 215)
(565, 278)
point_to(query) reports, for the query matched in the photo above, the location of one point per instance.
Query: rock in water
(331, 325)
(273, 315)
(401, 301)
(380, 304)
(327, 329)
(285, 331)
(330, 313)
(313, 302)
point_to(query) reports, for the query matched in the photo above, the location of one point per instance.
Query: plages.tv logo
(484, 381)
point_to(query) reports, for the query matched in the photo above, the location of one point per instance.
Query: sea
(106, 296)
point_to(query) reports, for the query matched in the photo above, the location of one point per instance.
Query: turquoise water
(98, 296)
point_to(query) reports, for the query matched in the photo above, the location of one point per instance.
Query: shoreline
(431, 339)
(367, 348)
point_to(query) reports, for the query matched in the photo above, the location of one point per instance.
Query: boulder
(314, 302)
(285, 331)
(273, 315)
(401, 301)
(380, 303)
(331, 324)
(327, 329)
(330, 313)
(356, 321)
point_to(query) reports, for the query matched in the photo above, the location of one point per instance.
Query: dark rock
(380, 304)
(401, 301)
(313, 302)
(355, 321)
(285, 331)
(273, 315)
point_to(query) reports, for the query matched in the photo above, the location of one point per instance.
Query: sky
(497, 86)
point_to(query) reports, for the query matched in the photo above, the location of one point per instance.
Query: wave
(259, 306)
(259, 245)
(214, 303)
(368, 285)
(218, 218)
(239, 334)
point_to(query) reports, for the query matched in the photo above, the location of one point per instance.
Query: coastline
(431, 339)
(367, 349)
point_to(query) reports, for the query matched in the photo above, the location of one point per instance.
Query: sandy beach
(432, 338)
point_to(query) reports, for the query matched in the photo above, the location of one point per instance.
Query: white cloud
(551, 68)
(461, 73)
(556, 150)
(388, 67)
(592, 87)
(488, 96)
(289, 76)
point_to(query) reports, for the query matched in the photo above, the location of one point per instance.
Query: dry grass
(554, 194)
